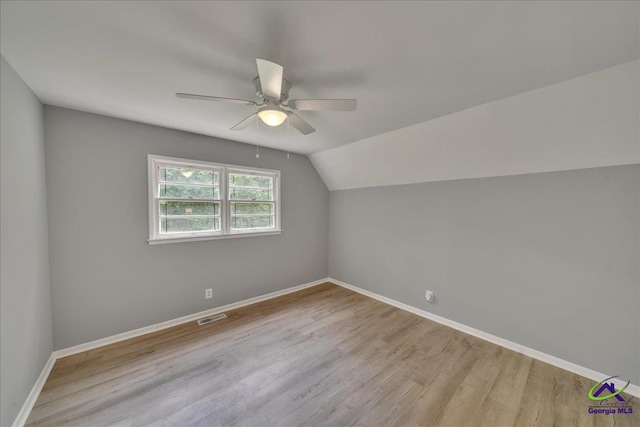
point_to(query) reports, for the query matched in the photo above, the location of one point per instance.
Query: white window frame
(154, 161)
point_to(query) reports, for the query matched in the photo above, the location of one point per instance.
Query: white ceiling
(406, 63)
(587, 122)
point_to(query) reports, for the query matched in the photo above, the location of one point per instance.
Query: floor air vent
(211, 319)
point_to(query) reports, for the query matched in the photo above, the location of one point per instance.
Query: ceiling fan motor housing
(284, 95)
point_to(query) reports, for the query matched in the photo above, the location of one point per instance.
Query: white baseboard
(174, 322)
(58, 354)
(633, 389)
(22, 416)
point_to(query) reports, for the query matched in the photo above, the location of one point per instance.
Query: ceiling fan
(273, 101)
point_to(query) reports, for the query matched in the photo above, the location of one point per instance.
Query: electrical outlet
(429, 296)
(208, 293)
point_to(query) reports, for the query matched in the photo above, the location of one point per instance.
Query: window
(193, 200)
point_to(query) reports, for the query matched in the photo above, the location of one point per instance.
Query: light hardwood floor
(323, 356)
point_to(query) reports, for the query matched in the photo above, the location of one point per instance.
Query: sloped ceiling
(406, 63)
(590, 121)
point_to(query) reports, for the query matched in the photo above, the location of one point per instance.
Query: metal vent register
(211, 319)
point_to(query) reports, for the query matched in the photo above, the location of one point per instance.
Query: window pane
(249, 194)
(184, 225)
(247, 180)
(185, 191)
(188, 208)
(252, 208)
(250, 222)
(188, 175)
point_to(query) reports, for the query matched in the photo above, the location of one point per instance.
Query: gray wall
(25, 305)
(546, 260)
(107, 279)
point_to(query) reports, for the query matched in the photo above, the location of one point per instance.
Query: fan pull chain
(288, 140)
(257, 149)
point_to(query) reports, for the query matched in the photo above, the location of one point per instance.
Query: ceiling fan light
(272, 116)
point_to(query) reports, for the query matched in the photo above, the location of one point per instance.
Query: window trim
(153, 161)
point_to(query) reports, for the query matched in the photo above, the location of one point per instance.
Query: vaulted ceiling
(406, 63)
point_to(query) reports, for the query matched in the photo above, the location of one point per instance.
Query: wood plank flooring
(324, 356)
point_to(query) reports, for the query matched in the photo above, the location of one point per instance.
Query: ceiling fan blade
(295, 121)
(323, 104)
(270, 78)
(244, 123)
(215, 98)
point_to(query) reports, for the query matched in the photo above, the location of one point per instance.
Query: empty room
(301, 213)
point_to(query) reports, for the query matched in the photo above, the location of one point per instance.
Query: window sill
(163, 240)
